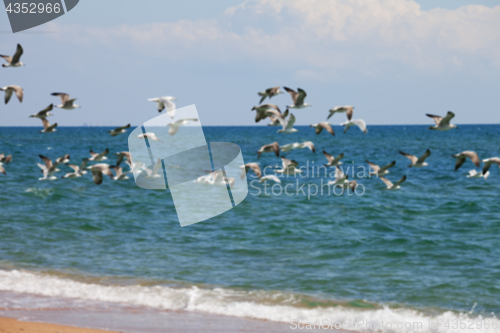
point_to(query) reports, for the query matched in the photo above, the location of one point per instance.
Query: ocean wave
(266, 305)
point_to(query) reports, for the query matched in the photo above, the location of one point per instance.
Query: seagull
(119, 174)
(119, 130)
(355, 122)
(174, 127)
(149, 136)
(323, 125)
(297, 98)
(390, 185)
(121, 155)
(251, 166)
(44, 113)
(275, 121)
(296, 145)
(488, 162)
(474, 174)
(269, 93)
(48, 168)
(78, 171)
(442, 123)
(165, 101)
(63, 160)
(417, 162)
(14, 60)
(261, 111)
(348, 110)
(271, 178)
(154, 173)
(98, 170)
(47, 127)
(380, 171)
(288, 125)
(11, 89)
(98, 157)
(67, 104)
(333, 161)
(289, 167)
(272, 147)
(5, 159)
(340, 178)
(463, 156)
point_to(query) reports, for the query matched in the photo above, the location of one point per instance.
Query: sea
(423, 258)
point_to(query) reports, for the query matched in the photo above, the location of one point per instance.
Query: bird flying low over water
(442, 123)
(9, 90)
(63, 160)
(174, 127)
(98, 157)
(461, 157)
(297, 98)
(121, 155)
(488, 162)
(474, 174)
(165, 102)
(380, 171)
(44, 113)
(149, 136)
(289, 167)
(275, 121)
(251, 166)
(355, 122)
(47, 127)
(48, 168)
(269, 93)
(119, 130)
(417, 162)
(390, 185)
(98, 170)
(271, 178)
(6, 160)
(318, 128)
(340, 178)
(119, 174)
(66, 102)
(78, 171)
(288, 124)
(261, 111)
(296, 145)
(272, 147)
(14, 60)
(333, 161)
(348, 110)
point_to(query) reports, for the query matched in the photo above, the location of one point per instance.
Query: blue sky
(394, 60)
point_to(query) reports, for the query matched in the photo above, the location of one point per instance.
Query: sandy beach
(10, 325)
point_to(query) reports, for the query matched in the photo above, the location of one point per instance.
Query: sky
(393, 60)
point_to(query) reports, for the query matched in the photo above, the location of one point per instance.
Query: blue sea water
(428, 249)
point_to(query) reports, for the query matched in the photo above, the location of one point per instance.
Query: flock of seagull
(286, 120)
(291, 167)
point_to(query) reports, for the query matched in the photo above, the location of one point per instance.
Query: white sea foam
(257, 304)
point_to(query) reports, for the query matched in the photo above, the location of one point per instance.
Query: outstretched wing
(63, 96)
(375, 167)
(18, 54)
(399, 182)
(386, 181)
(300, 97)
(293, 94)
(327, 127)
(437, 119)
(446, 120)
(329, 157)
(422, 158)
(412, 158)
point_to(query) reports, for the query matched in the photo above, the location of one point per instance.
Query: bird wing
(361, 124)
(69, 102)
(339, 174)
(300, 98)
(19, 92)
(47, 109)
(437, 119)
(256, 169)
(2, 169)
(460, 160)
(8, 95)
(388, 166)
(45, 123)
(327, 127)
(157, 166)
(7, 58)
(412, 158)
(97, 176)
(339, 157)
(173, 128)
(63, 96)
(104, 153)
(293, 94)
(402, 180)
(75, 168)
(446, 120)
(310, 145)
(422, 158)
(375, 167)
(275, 147)
(329, 157)
(349, 112)
(18, 54)
(122, 128)
(47, 161)
(290, 122)
(386, 181)
(473, 157)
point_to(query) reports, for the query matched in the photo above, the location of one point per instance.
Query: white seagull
(442, 123)
(9, 90)
(174, 127)
(390, 185)
(269, 93)
(417, 162)
(289, 167)
(149, 136)
(47, 127)
(261, 111)
(348, 110)
(119, 174)
(165, 102)
(380, 171)
(156, 168)
(333, 161)
(340, 178)
(355, 122)
(297, 98)
(288, 124)
(296, 145)
(14, 60)
(270, 178)
(488, 162)
(272, 147)
(66, 102)
(461, 157)
(323, 125)
(98, 170)
(48, 168)
(121, 155)
(251, 166)
(44, 113)
(119, 130)
(98, 157)
(474, 174)
(78, 171)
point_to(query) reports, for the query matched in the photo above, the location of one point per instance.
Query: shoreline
(13, 325)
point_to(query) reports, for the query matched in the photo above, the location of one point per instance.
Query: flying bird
(488, 162)
(47, 127)
(6, 160)
(119, 174)
(417, 162)
(271, 178)
(272, 147)
(461, 157)
(474, 174)
(251, 166)
(340, 178)
(44, 113)
(119, 130)
(333, 161)
(297, 98)
(9, 90)
(174, 127)
(98, 157)
(149, 136)
(390, 185)
(48, 168)
(66, 102)
(78, 171)
(63, 160)
(348, 110)
(323, 125)
(165, 102)
(289, 167)
(288, 125)
(355, 122)
(14, 60)
(98, 170)
(296, 145)
(269, 93)
(442, 123)
(275, 120)
(121, 155)
(261, 111)
(380, 171)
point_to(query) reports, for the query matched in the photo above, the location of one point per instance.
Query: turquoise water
(431, 246)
